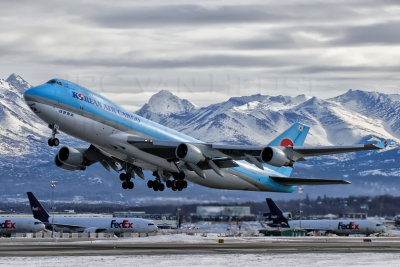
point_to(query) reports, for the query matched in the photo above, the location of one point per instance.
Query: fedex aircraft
(339, 227)
(129, 144)
(10, 225)
(90, 224)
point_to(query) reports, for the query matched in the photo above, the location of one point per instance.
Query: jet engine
(189, 153)
(71, 159)
(275, 157)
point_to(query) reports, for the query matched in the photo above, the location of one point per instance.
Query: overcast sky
(207, 52)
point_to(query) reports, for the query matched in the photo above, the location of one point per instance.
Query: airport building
(223, 213)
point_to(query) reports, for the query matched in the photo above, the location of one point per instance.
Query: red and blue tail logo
(294, 136)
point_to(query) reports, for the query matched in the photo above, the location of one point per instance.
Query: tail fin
(38, 211)
(294, 136)
(276, 215)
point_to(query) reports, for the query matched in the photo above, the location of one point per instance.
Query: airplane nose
(29, 94)
(32, 93)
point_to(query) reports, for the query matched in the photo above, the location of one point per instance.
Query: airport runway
(70, 247)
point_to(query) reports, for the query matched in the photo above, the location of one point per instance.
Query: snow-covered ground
(303, 259)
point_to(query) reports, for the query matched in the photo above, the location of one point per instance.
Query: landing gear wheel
(124, 185)
(168, 183)
(155, 186)
(173, 188)
(184, 184)
(130, 185)
(56, 142)
(122, 176)
(150, 184)
(128, 176)
(161, 187)
(53, 142)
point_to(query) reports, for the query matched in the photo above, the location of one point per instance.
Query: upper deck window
(55, 81)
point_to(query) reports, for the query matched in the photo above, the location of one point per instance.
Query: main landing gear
(53, 141)
(126, 178)
(156, 184)
(177, 184)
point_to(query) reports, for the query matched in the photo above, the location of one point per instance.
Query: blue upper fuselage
(78, 97)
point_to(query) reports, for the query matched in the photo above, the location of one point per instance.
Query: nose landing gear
(53, 141)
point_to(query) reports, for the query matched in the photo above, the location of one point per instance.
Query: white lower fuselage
(339, 227)
(106, 225)
(20, 225)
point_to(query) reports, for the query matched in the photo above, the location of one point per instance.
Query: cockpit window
(55, 81)
(378, 224)
(150, 224)
(38, 223)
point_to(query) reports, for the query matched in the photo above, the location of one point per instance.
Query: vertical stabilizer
(38, 211)
(294, 136)
(276, 215)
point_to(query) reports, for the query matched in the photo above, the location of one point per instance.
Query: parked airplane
(339, 227)
(128, 143)
(10, 225)
(90, 224)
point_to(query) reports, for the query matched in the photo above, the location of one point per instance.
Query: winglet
(385, 143)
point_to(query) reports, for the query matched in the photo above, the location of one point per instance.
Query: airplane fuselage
(106, 225)
(90, 117)
(20, 225)
(339, 227)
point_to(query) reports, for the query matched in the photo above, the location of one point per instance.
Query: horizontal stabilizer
(384, 143)
(306, 181)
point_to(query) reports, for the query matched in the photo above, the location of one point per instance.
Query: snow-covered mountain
(257, 119)
(26, 162)
(19, 126)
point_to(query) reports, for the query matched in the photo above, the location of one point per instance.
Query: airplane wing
(299, 152)
(306, 181)
(176, 156)
(78, 228)
(224, 155)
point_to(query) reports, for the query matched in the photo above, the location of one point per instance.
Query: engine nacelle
(287, 215)
(275, 157)
(189, 153)
(71, 159)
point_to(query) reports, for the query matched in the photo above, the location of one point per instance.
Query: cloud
(375, 34)
(129, 16)
(203, 61)
(195, 49)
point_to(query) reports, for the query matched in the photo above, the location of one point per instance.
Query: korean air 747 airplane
(129, 144)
